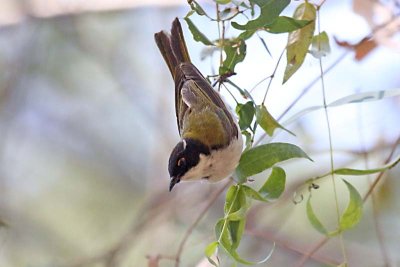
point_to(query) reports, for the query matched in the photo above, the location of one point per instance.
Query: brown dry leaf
(378, 14)
(364, 47)
(361, 49)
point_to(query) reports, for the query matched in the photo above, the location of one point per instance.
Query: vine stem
(330, 141)
(324, 240)
(189, 231)
(220, 35)
(305, 90)
(273, 75)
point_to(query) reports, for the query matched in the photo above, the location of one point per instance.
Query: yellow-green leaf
(315, 222)
(272, 188)
(267, 122)
(223, 2)
(352, 215)
(347, 171)
(275, 185)
(211, 250)
(230, 199)
(299, 40)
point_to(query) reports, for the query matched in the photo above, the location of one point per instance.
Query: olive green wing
(187, 72)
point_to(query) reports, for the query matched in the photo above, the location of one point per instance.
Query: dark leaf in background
(269, 12)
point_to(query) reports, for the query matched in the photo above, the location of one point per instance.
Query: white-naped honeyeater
(211, 142)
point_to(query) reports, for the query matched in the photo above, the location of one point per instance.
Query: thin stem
(379, 177)
(219, 35)
(306, 89)
(290, 247)
(330, 142)
(273, 74)
(229, 91)
(211, 201)
(375, 212)
(260, 82)
(324, 240)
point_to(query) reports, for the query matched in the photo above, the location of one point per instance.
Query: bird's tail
(172, 46)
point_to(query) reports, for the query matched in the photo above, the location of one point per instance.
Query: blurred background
(87, 123)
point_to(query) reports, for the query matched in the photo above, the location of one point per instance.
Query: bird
(211, 142)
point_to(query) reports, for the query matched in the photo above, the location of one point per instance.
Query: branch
(323, 241)
(213, 198)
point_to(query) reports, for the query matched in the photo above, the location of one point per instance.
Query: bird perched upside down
(211, 142)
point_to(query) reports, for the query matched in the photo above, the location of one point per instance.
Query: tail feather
(178, 42)
(172, 46)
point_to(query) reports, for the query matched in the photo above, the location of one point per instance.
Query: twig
(330, 143)
(108, 257)
(198, 219)
(282, 244)
(305, 90)
(375, 212)
(323, 241)
(379, 177)
(273, 75)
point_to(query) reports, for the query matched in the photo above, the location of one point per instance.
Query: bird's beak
(174, 181)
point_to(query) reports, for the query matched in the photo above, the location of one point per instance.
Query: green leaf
(211, 250)
(236, 230)
(272, 188)
(197, 34)
(286, 24)
(275, 185)
(249, 139)
(347, 171)
(260, 158)
(251, 193)
(238, 259)
(246, 34)
(246, 114)
(320, 45)
(197, 8)
(352, 215)
(235, 52)
(223, 2)
(229, 230)
(237, 206)
(299, 40)
(269, 12)
(315, 222)
(230, 198)
(266, 121)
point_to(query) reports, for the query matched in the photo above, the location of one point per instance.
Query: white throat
(218, 165)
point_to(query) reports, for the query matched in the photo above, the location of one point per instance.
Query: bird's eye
(181, 162)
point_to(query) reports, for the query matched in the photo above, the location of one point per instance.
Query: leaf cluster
(301, 41)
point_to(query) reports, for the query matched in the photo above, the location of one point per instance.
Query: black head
(184, 156)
